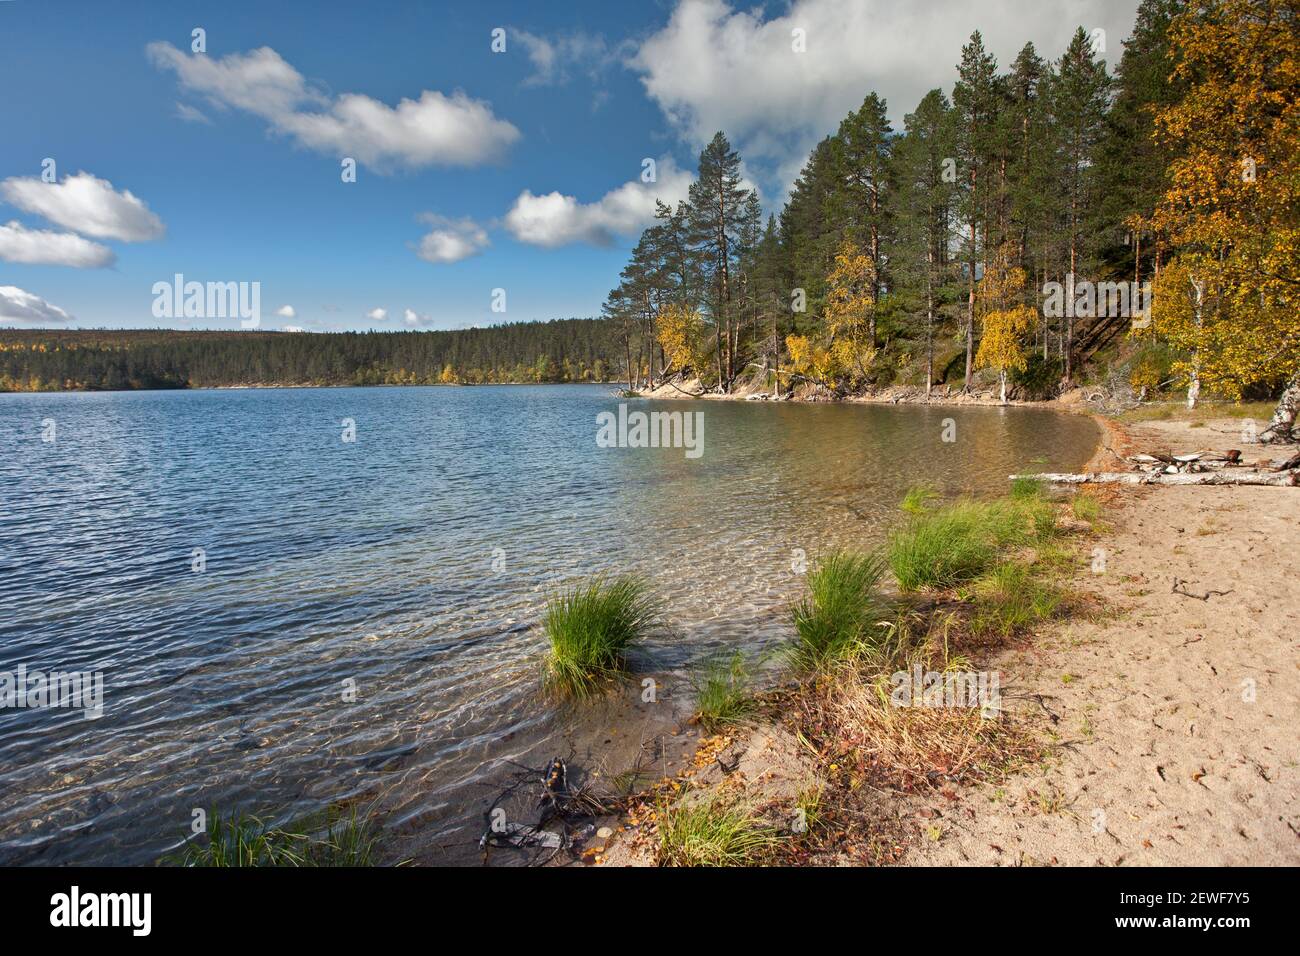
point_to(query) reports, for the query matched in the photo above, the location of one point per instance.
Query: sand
(1175, 722)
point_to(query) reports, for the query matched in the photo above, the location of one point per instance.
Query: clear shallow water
(373, 562)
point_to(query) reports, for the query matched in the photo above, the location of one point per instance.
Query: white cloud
(18, 305)
(555, 59)
(294, 328)
(414, 319)
(86, 204)
(554, 219)
(451, 240)
(48, 248)
(718, 67)
(377, 314)
(433, 129)
(287, 312)
(192, 115)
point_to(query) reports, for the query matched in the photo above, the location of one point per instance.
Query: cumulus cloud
(294, 328)
(48, 248)
(287, 312)
(434, 128)
(86, 204)
(377, 314)
(18, 305)
(414, 319)
(554, 219)
(715, 66)
(451, 240)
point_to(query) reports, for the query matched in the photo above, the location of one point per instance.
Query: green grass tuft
(918, 498)
(1025, 488)
(1009, 598)
(948, 546)
(590, 627)
(723, 693)
(844, 612)
(712, 833)
(244, 840)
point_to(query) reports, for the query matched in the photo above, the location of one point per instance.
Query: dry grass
(913, 748)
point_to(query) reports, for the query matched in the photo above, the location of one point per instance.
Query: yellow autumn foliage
(681, 333)
(1232, 209)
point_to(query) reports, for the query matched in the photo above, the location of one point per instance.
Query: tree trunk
(1283, 421)
(970, 295)
(929, 324)
(1194, 385)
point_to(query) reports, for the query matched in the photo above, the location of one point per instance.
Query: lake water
(364, 622)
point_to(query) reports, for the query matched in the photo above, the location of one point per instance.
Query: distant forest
(563, 350)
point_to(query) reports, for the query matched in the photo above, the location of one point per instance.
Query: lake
(284, 618)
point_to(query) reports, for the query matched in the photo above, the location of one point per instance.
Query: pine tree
(1132, 163)
(808, 228)
(861, 159)
(975, 100)
(1079, 98)
(922, 209)
(1031, 145)
(719, 210)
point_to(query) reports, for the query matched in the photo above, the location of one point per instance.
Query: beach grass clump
(246, 840)
(712, 832)
(952, 544)
(590, 627)
(943, 547)
(1009, 598)
(723, 693)
(844, 613)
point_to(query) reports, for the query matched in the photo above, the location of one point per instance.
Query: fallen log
(1292, 462)
(1284, 479)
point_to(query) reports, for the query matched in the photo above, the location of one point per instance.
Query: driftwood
(1242, 477)
(1292, 462)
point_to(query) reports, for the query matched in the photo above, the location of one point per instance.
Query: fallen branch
(1180, 583)
(1283, 479)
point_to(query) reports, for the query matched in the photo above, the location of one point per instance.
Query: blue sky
(476, 170)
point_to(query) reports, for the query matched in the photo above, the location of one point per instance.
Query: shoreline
(1212, 779)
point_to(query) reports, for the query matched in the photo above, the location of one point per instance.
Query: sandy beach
(1174, 722)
